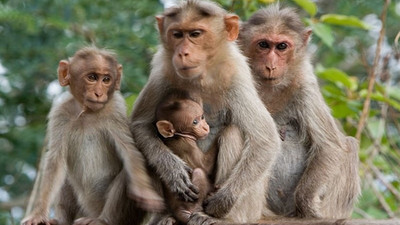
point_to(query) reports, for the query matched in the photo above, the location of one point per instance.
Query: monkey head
(192, 42)
(184, 118)
(274, 40)
(92, 76)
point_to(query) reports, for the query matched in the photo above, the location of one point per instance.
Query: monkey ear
(232, 26)
(63, 73)
(307, 36)
(160, 24)
(119, 77)
(165, 128)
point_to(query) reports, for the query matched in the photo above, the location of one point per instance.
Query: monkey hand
(201, 218)
(220, 203)
(147, 199)
(38, 220)
(89, 221)
(166, 220)
(179, 182)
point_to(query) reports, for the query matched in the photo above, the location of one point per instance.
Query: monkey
(92, 165)
(198, 53)
(316, 174)
(181, 122)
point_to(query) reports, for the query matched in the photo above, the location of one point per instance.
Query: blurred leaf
(381, 98)
(342, 110)
(343, 20)
(337, 76)
(130, 101)
(309, 6)
(394, 92)
(266, 1)
(323, 31)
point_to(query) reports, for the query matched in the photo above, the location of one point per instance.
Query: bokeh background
(356, 56)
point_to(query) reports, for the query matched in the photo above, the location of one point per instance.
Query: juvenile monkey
(198, 53)
(92, 164)
(317, 173)
(181, 122)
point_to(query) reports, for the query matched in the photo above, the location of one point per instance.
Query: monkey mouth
(270, 78)
(96, 102)
(186, 68)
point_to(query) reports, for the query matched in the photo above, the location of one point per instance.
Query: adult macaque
(181, 122)
(198, 54)
(92, 164)
(317, 173)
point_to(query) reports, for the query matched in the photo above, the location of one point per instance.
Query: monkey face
(193, 39)
(92, 80)
(270, 55)
(189, 53)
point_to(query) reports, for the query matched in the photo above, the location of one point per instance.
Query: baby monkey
(180, 122)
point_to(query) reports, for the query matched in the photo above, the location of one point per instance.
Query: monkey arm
(53, 176)
(259, 151)
(139, 183)
(326, 151)
(170, 168)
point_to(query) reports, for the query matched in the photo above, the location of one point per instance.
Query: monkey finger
(193, 188)
(200, 218)
(188, 192)
(167, 220)
(189, 169)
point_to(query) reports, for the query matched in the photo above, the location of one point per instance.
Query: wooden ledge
(325, 222)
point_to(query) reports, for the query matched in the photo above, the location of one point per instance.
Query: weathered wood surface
(326, 222)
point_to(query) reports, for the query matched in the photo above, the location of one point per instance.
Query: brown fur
(92, 164)
(175, 116)
(316, 175)
(217, 70)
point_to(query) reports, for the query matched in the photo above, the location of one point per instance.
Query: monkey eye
(263, 44)
(92, 77)
(195, 122)
(282, 46)
(202, 117)
(195, 33)
(177, 34)
(106, 79)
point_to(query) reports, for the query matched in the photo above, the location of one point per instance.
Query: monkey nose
(183, 54)
(98, 94)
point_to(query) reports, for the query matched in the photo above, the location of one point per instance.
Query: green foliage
(309, 6)
(343, 20)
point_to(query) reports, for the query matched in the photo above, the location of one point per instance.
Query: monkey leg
(118, 208)
(345, 187)
(66, 206)
(183, 210)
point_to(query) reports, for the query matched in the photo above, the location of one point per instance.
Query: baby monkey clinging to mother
(181, 122)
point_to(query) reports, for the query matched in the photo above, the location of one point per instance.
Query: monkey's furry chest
(91, 151)
(288, 169)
